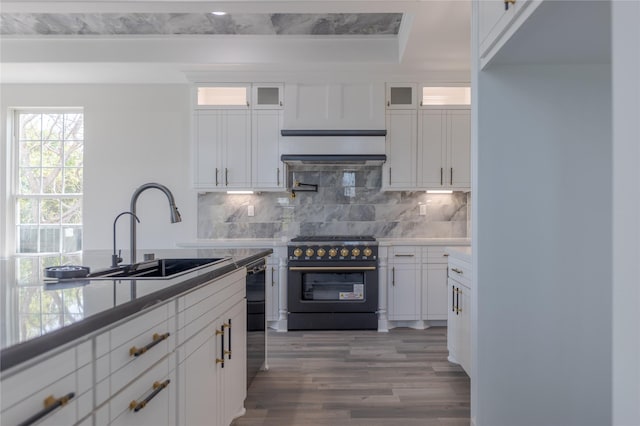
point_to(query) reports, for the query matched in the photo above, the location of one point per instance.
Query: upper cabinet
(223, 96)
(236, 131)
(429, 144)
(401, 96)
(498, 20)
(334, 106)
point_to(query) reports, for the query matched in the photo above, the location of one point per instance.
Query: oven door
(323, 288)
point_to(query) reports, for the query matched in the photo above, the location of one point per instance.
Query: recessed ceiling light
(219, 13)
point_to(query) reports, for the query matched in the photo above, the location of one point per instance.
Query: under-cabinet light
(439, 191)
(219, 13)
(240, 192)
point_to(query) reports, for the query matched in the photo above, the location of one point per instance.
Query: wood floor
(359, 378)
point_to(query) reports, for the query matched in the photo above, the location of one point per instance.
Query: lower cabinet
(459, 314)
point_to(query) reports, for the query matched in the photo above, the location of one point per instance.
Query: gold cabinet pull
(50, 403)
(157, 338)
(157, 388)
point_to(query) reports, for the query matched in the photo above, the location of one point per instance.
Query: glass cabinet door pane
(268, 96)
(401, 95)
(446, 96)
(222, 96)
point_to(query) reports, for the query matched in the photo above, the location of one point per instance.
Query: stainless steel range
(333, 283)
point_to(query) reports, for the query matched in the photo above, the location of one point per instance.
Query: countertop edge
(25, 351)
(461, 253)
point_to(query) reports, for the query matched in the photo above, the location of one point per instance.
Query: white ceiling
(434, 36)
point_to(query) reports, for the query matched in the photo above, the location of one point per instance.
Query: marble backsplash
(348, 202)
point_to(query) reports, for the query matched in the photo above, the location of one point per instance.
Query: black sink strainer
(66, 271)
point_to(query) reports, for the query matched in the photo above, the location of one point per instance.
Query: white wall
(133, 134)
(543, 245)
(626, 219)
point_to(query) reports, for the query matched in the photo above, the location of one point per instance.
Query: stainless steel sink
(157, 269)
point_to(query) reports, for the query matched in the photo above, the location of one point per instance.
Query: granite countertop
(39, 315)
(462, 253)
(425, 241)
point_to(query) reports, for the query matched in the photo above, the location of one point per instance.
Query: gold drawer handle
(157, 338)
(457, 271)
(157, 388)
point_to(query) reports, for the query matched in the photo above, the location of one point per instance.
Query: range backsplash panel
(347, 202)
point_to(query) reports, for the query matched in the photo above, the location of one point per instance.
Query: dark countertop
(39, 315)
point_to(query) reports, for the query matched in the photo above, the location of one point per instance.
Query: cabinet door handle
(453, 298)
(404, 255)
(157, 338)
(506, 3)
(451, 177)
(157, 388)
(51, 403)
(228, 325)
(441, 174)
(247, 103)
(226, 176)
(388, 103)
(273, 271)
(393, 276)
(278, 175)
(458, 301)
(446, 255)
(216, 176)
(389, 175)
(280, 103)
(221, 334)
(457, 271)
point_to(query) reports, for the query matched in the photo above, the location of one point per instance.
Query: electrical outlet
(423, 209)
(250, 211)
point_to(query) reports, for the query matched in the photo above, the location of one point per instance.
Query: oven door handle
(331, 268)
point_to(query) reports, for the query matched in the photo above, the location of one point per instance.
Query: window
(49, 181)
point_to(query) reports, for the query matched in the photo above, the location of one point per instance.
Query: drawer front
(460, 271)
(404, 254)
(435, 254)
(157, 409)
(209, 290)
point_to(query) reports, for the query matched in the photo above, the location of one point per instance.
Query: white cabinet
(267, 96)
(434, 284)
(234, 369)
(331, 106)
(444, 149)
(404, 284)
(222, 149)
(268, 170)
(498, 21)
(401, 96)
(399, 171)
(57, 390)
(459, 313)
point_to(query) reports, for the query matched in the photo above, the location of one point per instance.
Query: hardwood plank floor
(359, 378)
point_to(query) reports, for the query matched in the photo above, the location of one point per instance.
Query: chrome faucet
(116, 258)
(175, 214)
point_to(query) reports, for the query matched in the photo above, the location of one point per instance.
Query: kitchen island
(88, 344)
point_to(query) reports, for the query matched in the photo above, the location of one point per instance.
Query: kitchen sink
(157, 268)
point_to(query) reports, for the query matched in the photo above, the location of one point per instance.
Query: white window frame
(14, 182)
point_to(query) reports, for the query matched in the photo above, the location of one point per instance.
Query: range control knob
(321, 252)
(367, 252)
(355, 252)
(344, 252)
(333, 252)
(297, 252)
(309, 252)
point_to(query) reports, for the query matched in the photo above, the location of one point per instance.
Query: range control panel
(334, 252)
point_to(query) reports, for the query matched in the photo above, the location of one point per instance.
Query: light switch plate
(250, 211)
(423, 209)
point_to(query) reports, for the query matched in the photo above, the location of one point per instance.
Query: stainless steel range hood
(333, 147)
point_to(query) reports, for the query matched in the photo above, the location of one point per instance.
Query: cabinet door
(402, 96)
(208, 139)
(432, 148)
(459, 149)
(199, 381)
(404, 291)
(267, 96)
(268, 171)
(234, 374)
(236, 150)
(434, 292)
(401, 149)
(452, 321)
(463, 329)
